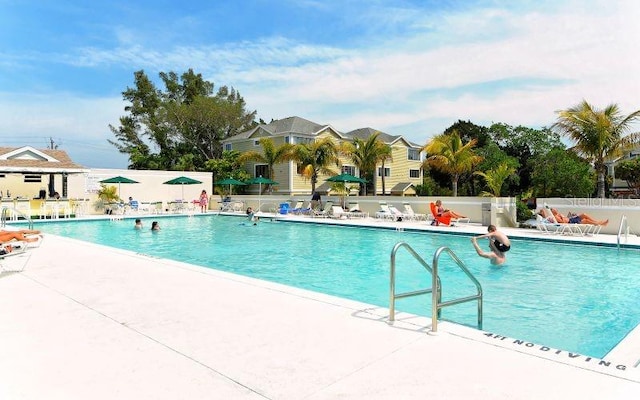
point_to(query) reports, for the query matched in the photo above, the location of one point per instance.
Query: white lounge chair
(561, 227)
(339, 213)
(397, 214)
(408, 210)
(356, 212)
(325, 212)
(11, 249)
(384, 212)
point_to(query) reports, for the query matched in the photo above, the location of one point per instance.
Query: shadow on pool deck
(87, 321)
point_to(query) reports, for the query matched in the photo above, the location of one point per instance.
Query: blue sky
(408, 68)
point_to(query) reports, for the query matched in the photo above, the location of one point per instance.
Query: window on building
(414, 173)
(228, 147)
(413, 154)
(348, 169)
(262, 170)
(287, 139)
(387, 172)
(256, 142)
(32, 178)
(302, 140)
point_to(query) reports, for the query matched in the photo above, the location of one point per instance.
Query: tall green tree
(366, 155)
(522, 144)
(447, 153)
(270, 155)
(316, 158)
(560, 173)
(598, 134)
(187, 117)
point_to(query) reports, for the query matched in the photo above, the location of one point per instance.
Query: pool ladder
(8, 213)
(623, 228)
(436, 288)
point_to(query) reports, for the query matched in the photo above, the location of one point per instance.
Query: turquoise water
(573, 297)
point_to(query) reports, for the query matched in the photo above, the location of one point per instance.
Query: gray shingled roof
(284, 126)
(297, 125)
(365, 133)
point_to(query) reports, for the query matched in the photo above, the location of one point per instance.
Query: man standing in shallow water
(498, 242)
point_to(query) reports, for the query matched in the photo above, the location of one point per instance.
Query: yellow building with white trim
(401, 174)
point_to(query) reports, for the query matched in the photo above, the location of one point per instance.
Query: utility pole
(52, 144)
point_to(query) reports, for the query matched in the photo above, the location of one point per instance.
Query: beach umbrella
(260, 181)
(344, 179)
(182, 180)
(231, 182)
(119, 180)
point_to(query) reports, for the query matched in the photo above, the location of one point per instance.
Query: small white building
(31, 176)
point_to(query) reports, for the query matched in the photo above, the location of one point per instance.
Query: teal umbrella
(260, 181)
(231, 182)
(344, 179)
(182, 180)
(118, 180)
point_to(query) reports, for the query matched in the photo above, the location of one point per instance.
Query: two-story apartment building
(401, 173)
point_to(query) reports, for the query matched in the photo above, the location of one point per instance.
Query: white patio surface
(84, 321)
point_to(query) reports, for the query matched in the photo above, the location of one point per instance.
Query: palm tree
(450, 156)
(315, 158)
(495, 178)
(598, 134)
(270, 155)
(366, 154)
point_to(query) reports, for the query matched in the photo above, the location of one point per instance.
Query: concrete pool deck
(85, 321)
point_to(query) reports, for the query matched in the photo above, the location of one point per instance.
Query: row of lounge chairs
(390, 212)
(387, 212)
(330, 210)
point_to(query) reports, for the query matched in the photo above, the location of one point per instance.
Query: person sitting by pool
(498, 242)
(573, 218)
(138, 224)
(252, 216)
(442, 212)
(21, 235)
(155, 226)
(316, 201)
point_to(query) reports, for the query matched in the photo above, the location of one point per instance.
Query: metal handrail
(437, 304)
(5, 212)
(436, 287)
(392, 281)
(623, 223)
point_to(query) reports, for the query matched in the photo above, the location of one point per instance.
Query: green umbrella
(118, 180)
(260, 181)
(182, 180)
(344, 179)
(230, 182)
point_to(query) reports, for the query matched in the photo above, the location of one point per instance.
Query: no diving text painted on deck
(550, 352)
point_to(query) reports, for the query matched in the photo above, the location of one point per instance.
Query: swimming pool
(572, 297)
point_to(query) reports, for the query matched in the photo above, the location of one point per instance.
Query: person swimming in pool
(498, 242)
(251, 216)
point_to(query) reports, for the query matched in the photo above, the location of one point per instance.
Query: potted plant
(106, 195)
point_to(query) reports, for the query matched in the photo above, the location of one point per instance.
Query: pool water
(573, 297)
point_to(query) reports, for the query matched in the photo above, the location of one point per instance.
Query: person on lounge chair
(573, 218)
(499, 244)
(442, 212)
(21, 235)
